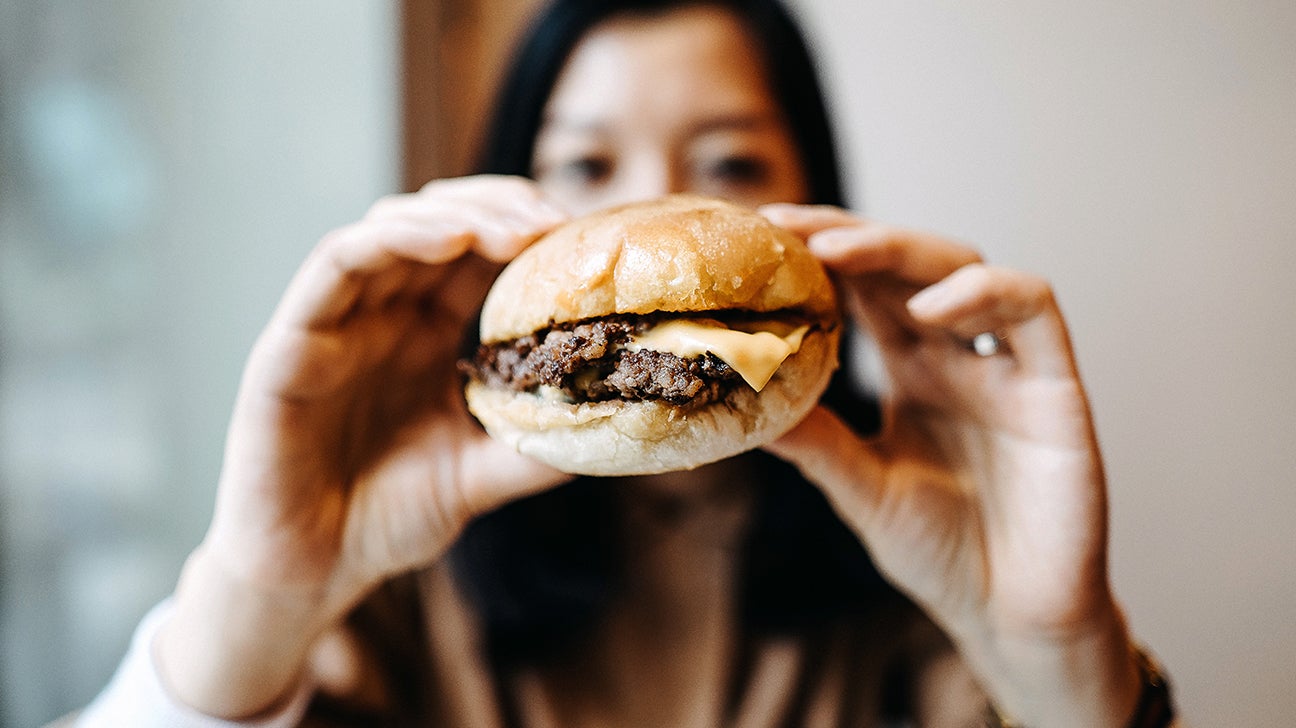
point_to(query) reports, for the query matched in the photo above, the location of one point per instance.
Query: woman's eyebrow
(553, 122)
(738, 121)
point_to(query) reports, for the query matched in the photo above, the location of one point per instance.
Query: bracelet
(1154, 709)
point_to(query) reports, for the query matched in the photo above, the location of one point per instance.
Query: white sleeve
(136, 696)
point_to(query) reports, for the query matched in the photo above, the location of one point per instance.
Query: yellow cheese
(755, 355)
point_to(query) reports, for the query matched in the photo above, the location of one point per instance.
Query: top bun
(678, 253)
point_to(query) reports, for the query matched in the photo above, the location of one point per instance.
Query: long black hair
(541, 570)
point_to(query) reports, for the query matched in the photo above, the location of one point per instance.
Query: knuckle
(1032, 286)
(519, 185)
(482, 184)
(385, 206)
(979, 273)
(343, 237)
(828, 215)
(518, 189)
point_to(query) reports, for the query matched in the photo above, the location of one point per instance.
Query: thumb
(850, 471)
(495, 474)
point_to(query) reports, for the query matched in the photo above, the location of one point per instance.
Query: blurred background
(164, 167)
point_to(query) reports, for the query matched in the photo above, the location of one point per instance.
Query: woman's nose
(654, 178)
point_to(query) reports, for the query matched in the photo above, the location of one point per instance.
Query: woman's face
(676, 102)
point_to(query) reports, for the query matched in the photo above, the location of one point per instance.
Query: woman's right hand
(350, 456)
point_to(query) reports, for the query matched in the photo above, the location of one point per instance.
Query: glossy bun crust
(680, 253)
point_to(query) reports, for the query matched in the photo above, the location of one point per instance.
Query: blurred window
(163, 168)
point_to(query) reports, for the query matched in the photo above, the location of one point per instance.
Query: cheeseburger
(652, 337)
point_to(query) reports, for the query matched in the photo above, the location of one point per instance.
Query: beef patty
(587, 362)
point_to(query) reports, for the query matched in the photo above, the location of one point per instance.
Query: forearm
(234, 650)
(136, 696)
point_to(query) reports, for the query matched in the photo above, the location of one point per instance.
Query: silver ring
(987, 343)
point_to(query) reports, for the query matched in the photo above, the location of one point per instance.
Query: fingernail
(928, 299)
(832, 239)
(777, 212)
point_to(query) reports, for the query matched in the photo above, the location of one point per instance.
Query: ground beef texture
(586, 361)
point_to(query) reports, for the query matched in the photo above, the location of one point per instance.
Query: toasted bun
(680, 254)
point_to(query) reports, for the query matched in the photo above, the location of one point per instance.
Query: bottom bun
(641, 437)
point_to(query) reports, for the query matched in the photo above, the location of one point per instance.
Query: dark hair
(541, 570)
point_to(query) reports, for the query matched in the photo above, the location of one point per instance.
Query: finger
(854, 245)
(503, 220)
(879, 303)
(430, 485)
(508, 188)
(878, 267)
(805, 220)
(495, 474)
(496, 217)
(336, 274)
(354, 259)
(516, 200)
(310, 364)
(444, 318)
(830, 455)
(908, 255)
(1016, 305)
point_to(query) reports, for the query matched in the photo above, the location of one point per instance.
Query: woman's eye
(586, 170)
(738, 170)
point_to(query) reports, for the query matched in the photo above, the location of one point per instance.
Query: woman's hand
(350, 456)
(984, 497)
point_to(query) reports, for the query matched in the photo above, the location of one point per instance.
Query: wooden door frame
(451, 54)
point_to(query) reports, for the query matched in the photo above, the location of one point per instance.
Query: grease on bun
(654, 337)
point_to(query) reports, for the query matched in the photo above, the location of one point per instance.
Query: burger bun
(685, 254)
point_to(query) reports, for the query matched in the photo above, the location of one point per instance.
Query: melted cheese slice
(754, 354)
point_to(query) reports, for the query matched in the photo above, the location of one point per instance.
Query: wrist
(1087, 675)
(1155, 707)
(231, 648)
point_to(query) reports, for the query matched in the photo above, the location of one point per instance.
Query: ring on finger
(987, 344)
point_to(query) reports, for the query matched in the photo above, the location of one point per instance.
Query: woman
(352, 469)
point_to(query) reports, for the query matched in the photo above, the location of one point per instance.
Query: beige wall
(1143, 155)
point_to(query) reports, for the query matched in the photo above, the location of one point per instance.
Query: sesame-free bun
(677, 253)
(682, 253)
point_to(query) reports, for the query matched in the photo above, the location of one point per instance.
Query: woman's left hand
(984, 497)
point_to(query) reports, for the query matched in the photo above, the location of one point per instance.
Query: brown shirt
(413, 655)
